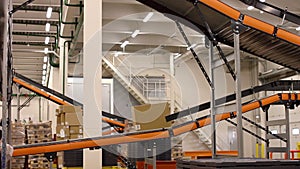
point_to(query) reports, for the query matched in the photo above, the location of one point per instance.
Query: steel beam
(282, 85)
(240, 137)
(287, 131)
(4, 36)
(212, 102)
(271, 9)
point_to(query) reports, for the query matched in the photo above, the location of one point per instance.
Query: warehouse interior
(144, 84)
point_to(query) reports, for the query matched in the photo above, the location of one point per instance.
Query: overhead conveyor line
(40, 92)
(46, 89)
(282, 85)
(60, 101)
(251, 21)
(274, 10)
(145, 135)
(259, 38)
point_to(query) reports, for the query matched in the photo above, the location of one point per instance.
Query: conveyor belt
(60, 99)
(282, 85)
(145, 135)
(261, 39)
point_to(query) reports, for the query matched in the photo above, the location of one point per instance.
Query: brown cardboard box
(73, 118)
(76, 129)
(69, 109)
(75, 136)
(60, 119)
(62, 131)
(151, 116)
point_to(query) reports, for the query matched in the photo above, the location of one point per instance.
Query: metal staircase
(126, 79)
(135, 86)
(199, 133)
(143, 89)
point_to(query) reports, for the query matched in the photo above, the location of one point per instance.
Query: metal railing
(152, 88)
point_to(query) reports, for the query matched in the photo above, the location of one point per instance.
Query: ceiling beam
(38, 8)
(34, 22)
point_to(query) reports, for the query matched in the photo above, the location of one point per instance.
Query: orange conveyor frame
(173, 131)
(58, 100)
(145, 135)
(252, 22)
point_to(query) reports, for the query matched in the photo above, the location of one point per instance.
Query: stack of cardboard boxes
(38, 133)
(18, 138)
(69, 126)
(177, 152)
(69, 122)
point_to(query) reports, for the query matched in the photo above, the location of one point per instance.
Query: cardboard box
(151, 116)
(73, 119)
(69, 109)
(60, 119)
(75, 129)
(62, 131)
(75, 136)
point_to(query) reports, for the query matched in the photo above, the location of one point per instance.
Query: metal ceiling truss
(196, 57)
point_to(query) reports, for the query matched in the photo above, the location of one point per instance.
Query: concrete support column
(92, 74)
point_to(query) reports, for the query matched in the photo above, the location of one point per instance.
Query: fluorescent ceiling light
(44, 66)
(298, 28)
(295, 131)
(49, 12)
(45, 59)
(262, 0)
(257, 116)
(44, 78)
(190, 47)
(274, 131)
(135, 33)
(261, 11)
(47, 39)
(148, 17)
(44, 72)
(47, 29)
(46, 50)
(250, 8)
(177, 55)
(124, 43)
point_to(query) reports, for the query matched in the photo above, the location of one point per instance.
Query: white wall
(32, 110)
(195, 90)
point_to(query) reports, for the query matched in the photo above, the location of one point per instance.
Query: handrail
(141, 83)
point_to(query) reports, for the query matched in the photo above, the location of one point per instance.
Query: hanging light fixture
(135, 33)
(46, 50)
(47, 28)
(49, 12)
(148, 17)
(47, 39)
(45, 59)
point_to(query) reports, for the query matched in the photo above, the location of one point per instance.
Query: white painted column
(60, 69)
(92, 74)
(172, 84)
